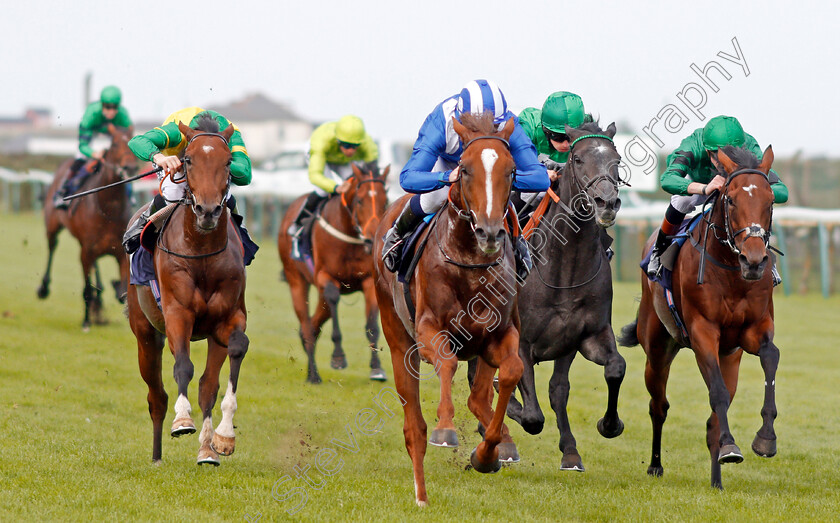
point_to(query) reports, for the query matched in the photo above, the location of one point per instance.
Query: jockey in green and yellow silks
(164, 145)
(98, 116)
(333, 147)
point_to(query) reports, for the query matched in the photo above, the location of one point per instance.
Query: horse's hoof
(378, 375)
(43, 292)
(572, 461)
(655, 471)
(484, 468)
(315, 380)
(730, 454)
(182, 427)
(444, 438)
(86, 327)
(508, 452)
(766, 448)
(338, 363)
(101, 321)
(207, 456)
(224, 445)
(610, 432)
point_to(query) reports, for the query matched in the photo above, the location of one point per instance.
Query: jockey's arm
(531, 175)
(317, 164)
(417, 175)
(240, 162)
(91, 119)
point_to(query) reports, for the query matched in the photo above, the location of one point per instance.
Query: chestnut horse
(730, 313)
(341, 251)
(463, 290)
(98, 221)
(201, 274)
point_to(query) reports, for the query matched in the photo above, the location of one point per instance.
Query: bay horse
(730, 313)
(342, 260)
(569, 292)
(464, 293)
(201, 274)
(97, 221)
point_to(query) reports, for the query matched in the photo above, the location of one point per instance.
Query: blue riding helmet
(482, 95)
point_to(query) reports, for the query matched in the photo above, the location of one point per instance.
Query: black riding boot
(522, 256)
(655, 265)
(396, 236)
(131, 238)
(306, 210)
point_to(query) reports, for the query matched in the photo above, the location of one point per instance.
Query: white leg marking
(488, 158)
(183, 409)
(225, 427)
(206, 435)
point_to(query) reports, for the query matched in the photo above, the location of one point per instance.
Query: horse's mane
(742, 156)
(479, 122)
(207, 123)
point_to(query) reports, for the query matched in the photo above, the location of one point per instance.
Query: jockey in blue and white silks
(438, 150)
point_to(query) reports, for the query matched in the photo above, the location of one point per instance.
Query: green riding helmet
(350, 129)
(111, 95)
(722, 131)
(560, 109)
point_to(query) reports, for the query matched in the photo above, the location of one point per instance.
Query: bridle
(467, 213)
(349, 207)
(616, 182)
(751, 231)
(189, 199)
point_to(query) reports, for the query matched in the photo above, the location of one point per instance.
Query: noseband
(468, 214)
(752, 231)
(189, 199)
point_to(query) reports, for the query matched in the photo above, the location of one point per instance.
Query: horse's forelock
(743, 157)
(591, 127)
(479, 122)
(207, 123)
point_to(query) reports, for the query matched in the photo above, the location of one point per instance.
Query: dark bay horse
(98, 221)
(569, 291)
(201, 274)
(343, 263)
(458, 315)
(731, 312)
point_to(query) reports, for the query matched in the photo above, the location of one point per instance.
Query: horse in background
(456, 316)
(97, 221)
(199, 265)
(342, 264)
(730, 313)
(569, 292)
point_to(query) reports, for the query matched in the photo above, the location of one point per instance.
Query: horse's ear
(508, 129)
(766, 160)
(725, 161)
(610, 131)
(385, 172)
(357, 173)
(186, 130)
(228, 132)
(460, 129)
(572, 132)
(112, 129)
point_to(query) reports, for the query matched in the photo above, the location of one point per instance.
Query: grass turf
(76, 433)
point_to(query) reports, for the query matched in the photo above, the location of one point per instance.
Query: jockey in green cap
(333, 147)
(691, 177)
(98, 115)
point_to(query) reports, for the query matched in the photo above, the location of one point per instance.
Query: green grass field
(76, 434)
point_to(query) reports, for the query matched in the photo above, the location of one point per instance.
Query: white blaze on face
(488, 158)
(750, 188)
(207, 148)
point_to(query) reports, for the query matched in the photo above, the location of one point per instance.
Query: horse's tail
(628, 336)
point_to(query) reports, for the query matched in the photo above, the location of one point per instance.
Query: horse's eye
(187, 159)
(577, 159)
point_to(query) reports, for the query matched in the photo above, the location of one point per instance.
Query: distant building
(267, 126)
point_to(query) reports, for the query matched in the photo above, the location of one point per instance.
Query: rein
(190, 200)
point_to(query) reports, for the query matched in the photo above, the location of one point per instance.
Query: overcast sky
(390, 62)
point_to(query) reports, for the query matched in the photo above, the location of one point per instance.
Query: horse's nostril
(199, 209)
(480, 233)
(217, 211)
(742, 259)
(500, 235)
